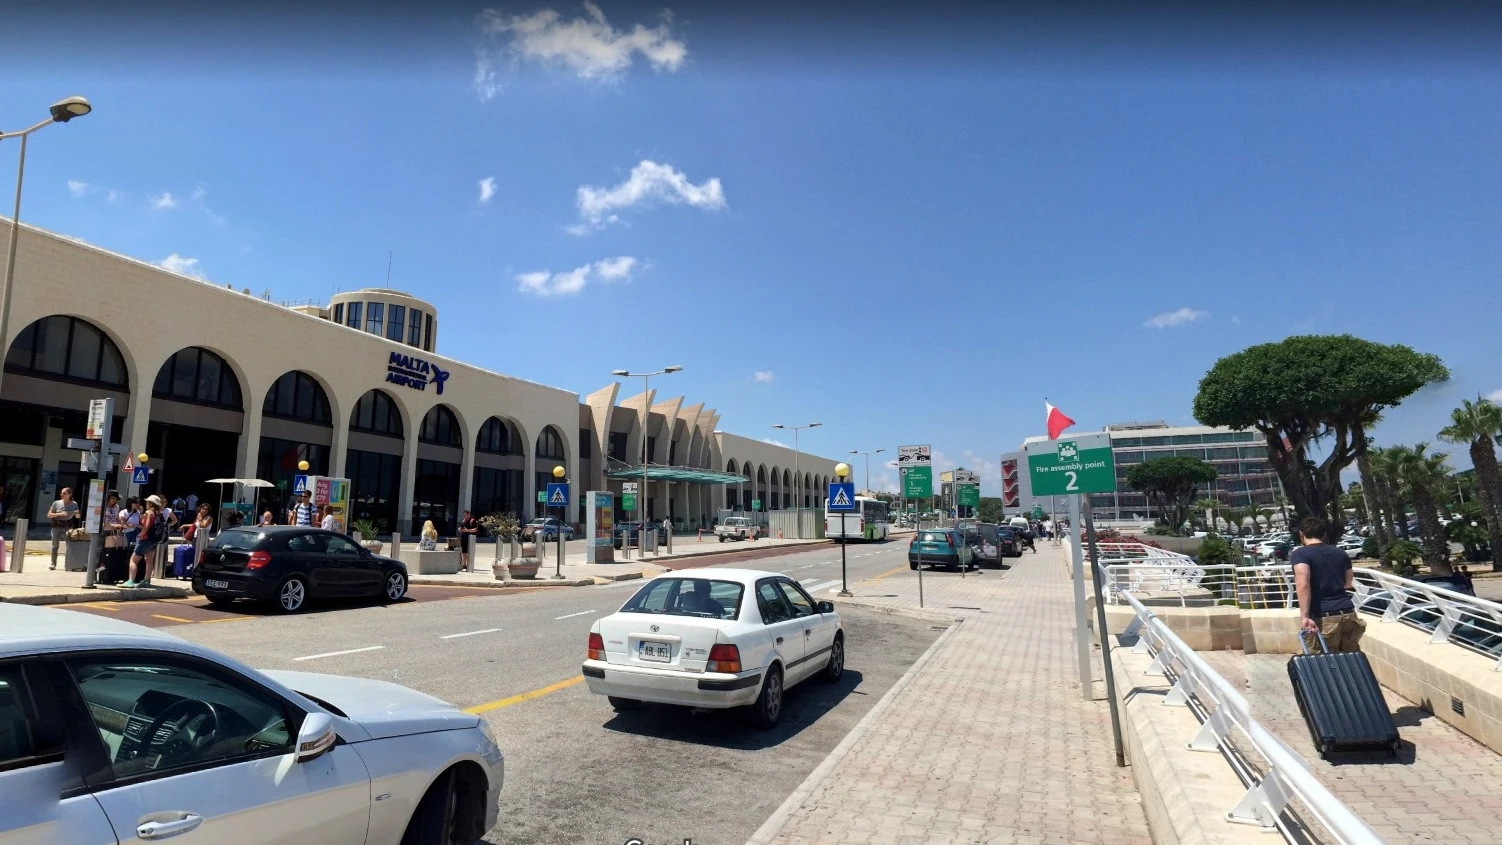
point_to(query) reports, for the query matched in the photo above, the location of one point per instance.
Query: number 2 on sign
(1074, 480)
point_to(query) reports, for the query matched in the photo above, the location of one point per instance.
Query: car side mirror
(825, 607)
(316, 736)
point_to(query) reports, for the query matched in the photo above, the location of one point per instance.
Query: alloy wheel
(396, 586)
(292, 595)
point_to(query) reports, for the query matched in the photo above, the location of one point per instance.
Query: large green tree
(990, 509)
(1307, 391)
(1170, 484)
(1477, 425)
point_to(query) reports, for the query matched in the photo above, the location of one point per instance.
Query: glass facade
(297, 396)
(435, 496)
(375, 316)
(1244, 477)
(67, 348)
(375, 484)
(277, 462)
(396, 322)
(497, 491)
(198, 375)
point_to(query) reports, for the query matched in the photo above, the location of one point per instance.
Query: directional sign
(141, 475)
(1080, 465)
(756, 504)
(842, 498)
(299, 485)
(628, 501)
(558, 494)
(542, 497)
(917, 481)
(969, 495)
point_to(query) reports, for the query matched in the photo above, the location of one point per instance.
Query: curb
(779, 818)
(895, 610)
(433, 581)
(100, 595)
(624, 576)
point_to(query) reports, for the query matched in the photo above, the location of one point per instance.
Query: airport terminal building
(224, 384)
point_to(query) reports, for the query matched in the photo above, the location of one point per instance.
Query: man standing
(192, 503)
(62, 513)
(1323, 576)
(301, 513)
(469, 531)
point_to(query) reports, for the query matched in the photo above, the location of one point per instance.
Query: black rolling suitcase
(115, 565)
(1342, 702)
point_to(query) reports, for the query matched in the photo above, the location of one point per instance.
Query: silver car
(112, 732)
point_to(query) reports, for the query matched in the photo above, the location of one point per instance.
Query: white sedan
(715, 638)
(112, 732)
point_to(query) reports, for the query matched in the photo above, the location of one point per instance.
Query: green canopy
(688, 475)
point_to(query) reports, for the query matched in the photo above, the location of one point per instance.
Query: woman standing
(203, 527)
(326, 519)
(153, 532)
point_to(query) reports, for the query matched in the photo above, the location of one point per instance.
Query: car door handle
(808, 632)
(164, 829)
(779, 640)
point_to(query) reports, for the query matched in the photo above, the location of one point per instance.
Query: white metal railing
(1136, 552)
(1266, 587)
(1221, 709)
(1449, 616)
(1186, 580)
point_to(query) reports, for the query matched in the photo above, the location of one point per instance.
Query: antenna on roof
(389, 256)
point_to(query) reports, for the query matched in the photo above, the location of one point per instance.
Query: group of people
(142, 526)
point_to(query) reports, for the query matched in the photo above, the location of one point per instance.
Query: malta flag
(1057, 422)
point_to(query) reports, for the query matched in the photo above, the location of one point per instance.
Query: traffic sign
(917, 481)
(93, 427)
(141, 475)
(756, 504)
(969, 495)
(628, 487)
(1065, 467)
(299, 485)
(542, 497)
(558, 494)
(842, 498)
(130, 464)
(915, 455)
(628, 501)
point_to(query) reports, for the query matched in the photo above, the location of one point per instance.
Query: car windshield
(701, 597)
(237, 539)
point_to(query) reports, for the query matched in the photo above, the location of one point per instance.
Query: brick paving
(1444, 786)
(989, 742)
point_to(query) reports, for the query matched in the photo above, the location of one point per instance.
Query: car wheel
(621, 705)
(396, 587)
(221, 601)
(912, 564)
(767, 711)
(292, 595)
(836, 666)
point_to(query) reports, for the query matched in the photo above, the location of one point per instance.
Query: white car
(112, 732)
(715, 638)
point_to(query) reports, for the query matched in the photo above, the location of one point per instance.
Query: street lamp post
(559, 473)
(797, 471)
(62, 112)
(641, 506)
(868, 455)
(842, 471)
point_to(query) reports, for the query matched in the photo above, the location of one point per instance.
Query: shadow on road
(245, 607)
(802, 705)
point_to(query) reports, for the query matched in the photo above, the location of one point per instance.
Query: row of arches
(776, 488)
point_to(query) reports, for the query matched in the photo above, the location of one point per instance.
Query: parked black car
(290, 564)
(625, 530)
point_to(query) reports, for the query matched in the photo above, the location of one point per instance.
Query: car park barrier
(1281, 778)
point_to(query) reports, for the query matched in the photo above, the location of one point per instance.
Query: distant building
(1244, 476)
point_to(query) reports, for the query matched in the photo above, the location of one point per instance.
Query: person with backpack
(153, 533)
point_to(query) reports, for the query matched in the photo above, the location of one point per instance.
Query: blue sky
(909, 231)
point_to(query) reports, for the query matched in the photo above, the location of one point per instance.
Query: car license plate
(660, 652)
(216, 585)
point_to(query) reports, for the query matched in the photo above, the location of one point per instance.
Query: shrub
(1404, 553)
(1160, 530)
(1215, 551)
(365, 528)
(502, 526)
(1370, 549)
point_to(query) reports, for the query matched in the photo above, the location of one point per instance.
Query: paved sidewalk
(40, 585)
(987, 741)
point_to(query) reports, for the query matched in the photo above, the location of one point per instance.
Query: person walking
(153, 534)
(326, 519)
(1323, 576)
(62, 514)
(302, 513)
(469, 532)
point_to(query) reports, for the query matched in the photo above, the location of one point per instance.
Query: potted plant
(504, 527)
(368, 535)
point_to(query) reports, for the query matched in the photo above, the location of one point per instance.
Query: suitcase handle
(1305, 643)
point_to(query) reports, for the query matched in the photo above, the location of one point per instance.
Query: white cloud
(763, 376)
(163, 200)
(570, 282)
(487, 188)
(78, 189)
(774, 442)
(114, 195)
(1175, 318)
(183, 266)
(1495, 396)
(199, 193)
(587, 45)
(648, 182)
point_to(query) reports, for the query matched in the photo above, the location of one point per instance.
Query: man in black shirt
(469, 530)
(1323, 576)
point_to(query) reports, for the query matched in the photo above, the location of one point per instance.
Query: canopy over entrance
(687, 475)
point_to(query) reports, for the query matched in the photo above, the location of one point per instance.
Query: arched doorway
(53, 369)
(197, 414)
(440, 460)
(498, 469)
(732, 497)
(550, 452)
(297, 424)
(373, 460)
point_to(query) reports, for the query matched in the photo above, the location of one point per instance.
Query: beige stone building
(217, 383)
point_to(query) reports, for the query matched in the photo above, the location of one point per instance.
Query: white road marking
(337, 653)
(572, 615)
(469, 633)
(817, 587)
(808, 580)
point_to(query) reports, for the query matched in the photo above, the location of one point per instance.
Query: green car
(940, 547)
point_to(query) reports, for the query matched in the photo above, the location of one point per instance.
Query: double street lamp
(62, 111)
(641, 505)
(868, 455)
(797, 474)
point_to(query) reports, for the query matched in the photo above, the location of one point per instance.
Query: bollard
(18, 546)
(512, 552)
(396, 545)
(469, 550)
(669, 537)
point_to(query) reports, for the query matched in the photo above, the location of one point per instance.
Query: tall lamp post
(842, 471)
(641, 506)
(62, 112)
(868, 463)
(797, 472)
(559, 472)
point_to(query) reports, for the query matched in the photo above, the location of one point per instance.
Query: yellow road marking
(227, 619)
(889, 572)
(526, 696)
(453, 587)
(96, 606)
(171, 618)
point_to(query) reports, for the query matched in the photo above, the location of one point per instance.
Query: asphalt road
(577, 771)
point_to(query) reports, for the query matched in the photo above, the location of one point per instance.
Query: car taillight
(723, 658)
(596, 647)
(258, 560)
(951, 541)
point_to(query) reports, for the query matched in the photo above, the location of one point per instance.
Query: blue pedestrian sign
(299, 485)
(141, 475)
(842, 498)
(558, 494)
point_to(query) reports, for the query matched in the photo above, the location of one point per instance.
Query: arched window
(730, 466)
(496, 438)
(440, 427)
(550, 444)
(787, 478)
(761, 475)
(67, 348)
(298, 396)
(197, 375)
(376, 413)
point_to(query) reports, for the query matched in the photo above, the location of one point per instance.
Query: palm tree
(1478, 424)
(1378, 515)
(1423, 474)
(1387, 471)
(1211, 507)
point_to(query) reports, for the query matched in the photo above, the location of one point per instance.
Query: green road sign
(917, 481)
(969, 495)
(1065, 467)
(542, 497)
(628, 501)
(756, 504)
(1038, 512)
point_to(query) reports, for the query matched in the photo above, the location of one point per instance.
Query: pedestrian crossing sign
(140, 475)
(558, 495)
(300, 485)
(842, 498)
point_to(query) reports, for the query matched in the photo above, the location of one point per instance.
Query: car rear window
(701, 597)
(933, 537)
(237, 539)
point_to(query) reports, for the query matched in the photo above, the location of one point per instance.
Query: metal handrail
(1220, 708)
(1215, 580)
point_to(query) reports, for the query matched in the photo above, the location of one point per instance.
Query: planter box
(422, 562)
(524, 569)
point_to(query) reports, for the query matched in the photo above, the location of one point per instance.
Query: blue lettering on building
(411, 371)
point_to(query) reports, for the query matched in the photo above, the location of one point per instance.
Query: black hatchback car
(290, 564)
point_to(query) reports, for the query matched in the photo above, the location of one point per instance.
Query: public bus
(867, 522)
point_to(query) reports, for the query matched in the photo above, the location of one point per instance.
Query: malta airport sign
(416, 373)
